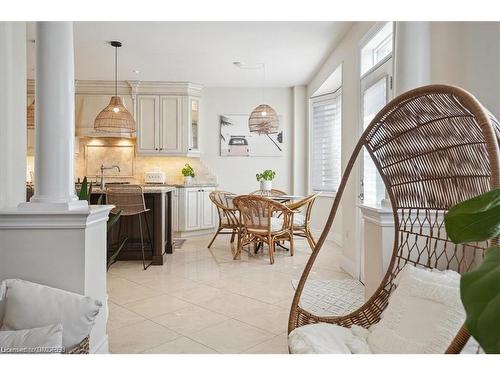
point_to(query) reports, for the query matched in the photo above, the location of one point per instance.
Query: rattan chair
(129, 199)
(302, 221)
(434, 146)
(268, 193)
(228, 214)
(260, 223)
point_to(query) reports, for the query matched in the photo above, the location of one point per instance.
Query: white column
(12, 114)
(55, 118)
(412, 63)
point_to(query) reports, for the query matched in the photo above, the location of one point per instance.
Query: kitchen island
(158, 199)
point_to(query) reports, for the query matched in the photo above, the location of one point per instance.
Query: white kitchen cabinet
(148, 113)
(193, 125)
(175, 210)
(195, 210)
(167, 125)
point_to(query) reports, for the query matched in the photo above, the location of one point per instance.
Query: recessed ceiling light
(136, 71)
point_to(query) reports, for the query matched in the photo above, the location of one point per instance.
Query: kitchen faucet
(102, 172)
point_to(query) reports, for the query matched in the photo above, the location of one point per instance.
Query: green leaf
(477, 219)
(480, 293)
(99, 200)
(113, 219)
(83, 195)
(112, 257)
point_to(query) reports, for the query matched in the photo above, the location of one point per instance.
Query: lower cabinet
(194, 209)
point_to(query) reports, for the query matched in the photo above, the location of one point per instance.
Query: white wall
(345, 230)
(237, 174)
(12, 113)
(467, 54)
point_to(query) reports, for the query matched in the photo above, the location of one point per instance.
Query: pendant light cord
(116, 70)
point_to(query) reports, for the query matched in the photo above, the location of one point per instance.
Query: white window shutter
(325, 145)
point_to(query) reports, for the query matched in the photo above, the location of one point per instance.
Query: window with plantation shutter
(325, 143)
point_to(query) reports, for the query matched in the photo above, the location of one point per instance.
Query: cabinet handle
(161, 148)
(156, 148)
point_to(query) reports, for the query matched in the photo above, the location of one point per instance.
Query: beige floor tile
(138, 337)
(231, 336)
(198, 294)
(268, 293)
(271, 318)
(181, 345)
(202, 300)
(154, 306)
(168, 283)
(233, 304)
(277, 345)
(285, 303)
(120, 317)
(189, 320)
(123, 291)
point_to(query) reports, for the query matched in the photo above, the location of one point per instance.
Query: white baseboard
(194, 233)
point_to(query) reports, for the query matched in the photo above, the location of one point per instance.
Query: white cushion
(30, 305)
(423, 315)
(299, 220)
(35, 340)
(323, 338)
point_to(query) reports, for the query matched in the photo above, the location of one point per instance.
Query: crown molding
(99, 87)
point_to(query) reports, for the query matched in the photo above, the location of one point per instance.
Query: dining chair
(268, 193)
(263, 220)
(302, 219)
(227, 212)
(129, 199)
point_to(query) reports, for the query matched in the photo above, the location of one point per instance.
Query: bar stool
(129, 200)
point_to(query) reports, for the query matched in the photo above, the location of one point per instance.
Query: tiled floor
(203, 301)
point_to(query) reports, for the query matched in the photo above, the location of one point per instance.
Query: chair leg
(237, 255)
(291, 245)
(150, 237)
(270, 242)
(142, 245)
(310, 239)
(213, 238)
(232, 235)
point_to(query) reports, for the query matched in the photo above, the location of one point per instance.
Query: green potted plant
(188, 173)
(266, 179)
(477, 220)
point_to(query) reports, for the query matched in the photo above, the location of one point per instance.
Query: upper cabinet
(168, 125)
(193, 123)
(167, 114)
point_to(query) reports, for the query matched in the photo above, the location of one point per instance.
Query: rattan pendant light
(115, 118)
(263, 119)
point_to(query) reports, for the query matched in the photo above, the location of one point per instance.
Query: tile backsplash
(170, 165)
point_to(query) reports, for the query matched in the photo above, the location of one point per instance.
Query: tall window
(376, 90)
(377, 48)
(325, 143)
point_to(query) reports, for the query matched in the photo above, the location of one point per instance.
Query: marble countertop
(157, 188)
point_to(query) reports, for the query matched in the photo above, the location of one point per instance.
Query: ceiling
(203, 52)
